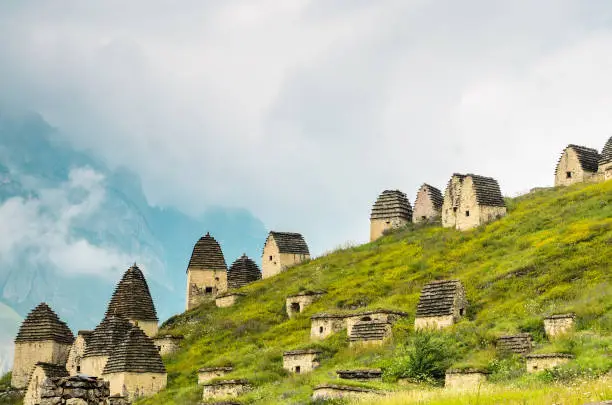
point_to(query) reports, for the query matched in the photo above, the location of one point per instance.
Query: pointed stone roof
(53, 370)
(87, 334)
(392, 204)
(44, 324)
(438, 298)
(434, 194)
(135, 354)
(290, 242)
(132, 298)
(606, 153)
(487, 191)
(207, 254)
(108, 334)
(587, 157)
(242, 272)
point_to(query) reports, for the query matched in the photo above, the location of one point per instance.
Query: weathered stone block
(225, 388)
(206, 374)
(301, 361)
(465, 380)
(296, 303)
(540, 362)
(332, 391)
(557, 325)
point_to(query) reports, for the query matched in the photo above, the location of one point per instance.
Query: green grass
(551, 254)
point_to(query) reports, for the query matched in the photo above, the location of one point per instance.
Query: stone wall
(424, 209)
(558, 325)
(167, 344)
(382, 316)
(536, 363)
(226, 388)
(32, 395)
(330, 391)
(203, 285)
(450, 206)
(136, 385)
(75, 355)
(320, 328)
(77, 391)
(296, 303)
(27, 354)
(273, 262)
(379, 226)
(207, 374)
(605, 171)
(464, 381)
(468, 211)
(226, 300)
(93, 365)
(434, 322)
(150, 328)
(300, 363)
(569, 163)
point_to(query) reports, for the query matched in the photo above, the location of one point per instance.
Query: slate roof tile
(290, 242)
(487, 191)
(242, 272)
(44, 324)
(606, 153)
(207, 254)
(135, 354)
(132, 298)
(392, 204)
(438, 297)
(107, 335)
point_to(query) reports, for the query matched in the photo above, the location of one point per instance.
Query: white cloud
(303, 111)
(41, 229)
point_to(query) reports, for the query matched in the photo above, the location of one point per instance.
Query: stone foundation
(210, 373)
(434, 322)
(361, 375)
(557, 325)
(301, 361)
(296, 303)
(382, 315)
(324, 325)
(331, 391)
(225, 388)
(539, 362)
(227, 299)
(27, 354)
(378, 227)
(93, 365)
(136, 385)
(78, 390)
(167, 344)
(465, 380)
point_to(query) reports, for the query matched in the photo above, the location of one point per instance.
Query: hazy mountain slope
(551, 254)
(71, 226)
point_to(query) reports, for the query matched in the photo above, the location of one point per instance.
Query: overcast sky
(304, 111)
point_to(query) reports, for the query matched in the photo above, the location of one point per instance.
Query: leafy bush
(425, 359)
(5, 380)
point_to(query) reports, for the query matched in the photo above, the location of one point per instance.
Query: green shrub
(425, 359)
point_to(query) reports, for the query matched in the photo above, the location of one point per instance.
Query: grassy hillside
(553, 253)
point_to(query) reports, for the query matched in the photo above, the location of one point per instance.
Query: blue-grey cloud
(303, 111)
